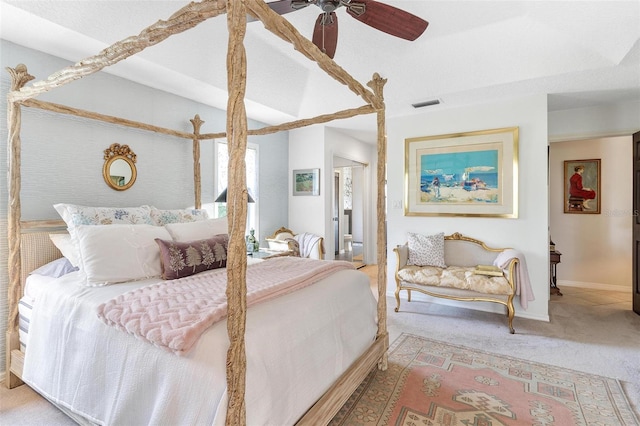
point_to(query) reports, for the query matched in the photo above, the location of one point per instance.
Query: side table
(554, 259)
(265, 254)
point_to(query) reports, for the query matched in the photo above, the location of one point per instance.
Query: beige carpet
(593, 339)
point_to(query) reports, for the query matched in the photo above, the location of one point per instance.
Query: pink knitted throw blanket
(173, 314)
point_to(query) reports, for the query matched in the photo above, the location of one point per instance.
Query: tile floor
(591, 297)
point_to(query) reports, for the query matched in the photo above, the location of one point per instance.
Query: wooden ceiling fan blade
(325, 33)
(388, 19)
(282, 7)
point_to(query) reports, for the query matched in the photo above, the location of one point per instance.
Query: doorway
(596, 248)
(349, 211)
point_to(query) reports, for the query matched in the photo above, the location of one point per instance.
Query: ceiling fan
(388, 19)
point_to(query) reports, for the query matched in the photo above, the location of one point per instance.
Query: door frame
(368, 241)
(636, 222)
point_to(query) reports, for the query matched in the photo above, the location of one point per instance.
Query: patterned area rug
(435, 383)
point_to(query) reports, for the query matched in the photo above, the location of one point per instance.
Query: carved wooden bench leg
(510, 314)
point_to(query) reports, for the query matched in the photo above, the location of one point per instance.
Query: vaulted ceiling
(581, 53)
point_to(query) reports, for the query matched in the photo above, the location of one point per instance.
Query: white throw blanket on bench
(523, 285)
(308, 243)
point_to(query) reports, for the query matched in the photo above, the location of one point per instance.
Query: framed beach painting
(463, 174)
(306, 182)
(582, 186)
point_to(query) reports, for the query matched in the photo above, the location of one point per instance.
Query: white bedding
(34, 284)
(297, 345)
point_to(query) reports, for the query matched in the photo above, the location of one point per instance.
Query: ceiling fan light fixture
(427, 103)
(328, 6)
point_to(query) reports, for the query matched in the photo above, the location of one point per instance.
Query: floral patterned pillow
(163, 217)
(75, 215)
(181, 259)
(426, 250)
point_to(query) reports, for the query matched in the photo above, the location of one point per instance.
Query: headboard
(36, 248)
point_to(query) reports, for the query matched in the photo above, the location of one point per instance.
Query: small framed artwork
(306, 182)
(582, 186)
(463, 174)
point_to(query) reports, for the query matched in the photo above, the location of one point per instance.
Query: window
(222, 163)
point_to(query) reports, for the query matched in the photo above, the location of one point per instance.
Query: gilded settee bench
(458, 281)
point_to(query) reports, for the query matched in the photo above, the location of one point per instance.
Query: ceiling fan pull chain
(324, 26)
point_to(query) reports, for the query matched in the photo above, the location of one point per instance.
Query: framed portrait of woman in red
(582, 186)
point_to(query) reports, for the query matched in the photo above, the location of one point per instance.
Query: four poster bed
(320, 359)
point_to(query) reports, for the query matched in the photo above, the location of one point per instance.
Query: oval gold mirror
(119, 170)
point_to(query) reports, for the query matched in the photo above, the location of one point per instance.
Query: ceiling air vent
(426, 103)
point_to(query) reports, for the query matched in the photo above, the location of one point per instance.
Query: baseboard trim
(594, 286)
(490, 307)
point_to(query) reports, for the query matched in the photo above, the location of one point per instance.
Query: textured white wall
(62, 156)
(527, 233)
(596, 248)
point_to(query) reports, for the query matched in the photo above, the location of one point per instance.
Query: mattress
(34, 285)
(297, 345)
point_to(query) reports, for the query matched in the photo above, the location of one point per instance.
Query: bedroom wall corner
(272, 199)
(314, 147)
(307, 151)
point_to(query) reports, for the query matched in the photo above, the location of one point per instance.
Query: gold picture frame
(582, 186)
(463, 174)
(119, 169)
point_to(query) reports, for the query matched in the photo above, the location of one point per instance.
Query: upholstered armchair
(304, 245)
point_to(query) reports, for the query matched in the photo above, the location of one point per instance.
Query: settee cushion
(426, 250)
(454, 277)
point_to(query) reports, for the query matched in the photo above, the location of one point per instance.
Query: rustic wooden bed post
(377, 84)
(236, 212)
(197, 183)
(19, 77)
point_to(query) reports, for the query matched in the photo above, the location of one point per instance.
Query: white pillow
(201, 230)
(426, 250)
(65, 244)
(118, 253)
(55, 268)
(74, 215)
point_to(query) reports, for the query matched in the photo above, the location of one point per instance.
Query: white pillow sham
(119, 253)
(201, 230)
